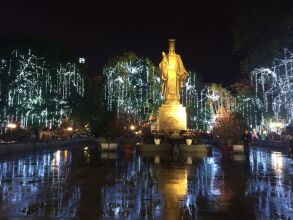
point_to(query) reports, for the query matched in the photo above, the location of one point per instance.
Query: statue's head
(171, 45)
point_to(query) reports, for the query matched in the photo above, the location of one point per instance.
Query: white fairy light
(35, 93)
(132, 87)
(274, 87)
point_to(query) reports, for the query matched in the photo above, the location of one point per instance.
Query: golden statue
(171, 114)
(173, 75)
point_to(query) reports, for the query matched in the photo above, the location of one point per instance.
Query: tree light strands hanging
(194, 97)
(35, 93)
(274, 87)
(132, 87)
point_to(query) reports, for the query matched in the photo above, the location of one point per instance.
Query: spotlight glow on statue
(172, 115)
(173, 75)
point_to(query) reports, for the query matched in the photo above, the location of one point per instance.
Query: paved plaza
(67, 184)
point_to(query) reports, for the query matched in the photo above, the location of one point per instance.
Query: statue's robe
(173, 74)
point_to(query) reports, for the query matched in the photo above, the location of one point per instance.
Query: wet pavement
(67, 184)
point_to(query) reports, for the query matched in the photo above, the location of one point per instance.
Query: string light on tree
(132, 87)
(34, 93)
(274, 87)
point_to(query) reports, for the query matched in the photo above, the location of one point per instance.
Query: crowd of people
(248, 137)
(263, 135)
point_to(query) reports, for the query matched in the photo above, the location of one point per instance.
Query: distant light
(69, 129)
(11, 125)
(132, 127)
(81, 60)
(276, 125)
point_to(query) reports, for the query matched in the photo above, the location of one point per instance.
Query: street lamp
(11, 126)
(132, 127)
(69, 128)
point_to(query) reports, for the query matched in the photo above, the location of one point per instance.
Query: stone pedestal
(172, 117)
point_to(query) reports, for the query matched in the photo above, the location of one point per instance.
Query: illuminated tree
(90, 113)
(262, 29)
(228, 126)
(249, 108)
(274, 87)
(247, 105)
(219, 97)
(132, 86)
(35, 93)
(194, 97)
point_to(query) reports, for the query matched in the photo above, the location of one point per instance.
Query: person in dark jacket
(246, 138)
(291, 145)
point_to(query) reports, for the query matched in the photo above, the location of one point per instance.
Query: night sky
(100, 30)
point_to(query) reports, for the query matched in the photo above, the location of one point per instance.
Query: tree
(42, 47)
(228, 126)
(242, 88)
(132, 86)
(247, 104)
(193, 96)
(90, 111)
(261, 30)
(37, 90)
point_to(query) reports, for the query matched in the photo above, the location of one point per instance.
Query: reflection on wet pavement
(65, 184)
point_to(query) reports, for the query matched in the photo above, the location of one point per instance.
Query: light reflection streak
(277, 163)
(22, 178)
(135, 193)
(267, 189)
(270, 186)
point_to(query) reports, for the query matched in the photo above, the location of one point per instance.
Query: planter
(157, 160)
(226, 147)
(109, 146)
(189, 160)
(238, 148)
(188, 141)
(157, 141)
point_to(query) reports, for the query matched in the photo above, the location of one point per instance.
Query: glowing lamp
(132, 127)
(69, 129)
(11, 125)
(276, 125)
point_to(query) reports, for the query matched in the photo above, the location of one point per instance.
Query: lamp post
(132, 127)
(11, 126)
(70, 129)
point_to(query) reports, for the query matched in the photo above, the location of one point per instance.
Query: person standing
(246, 138)
(291, 145)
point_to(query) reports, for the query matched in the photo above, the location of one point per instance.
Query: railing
(18, 147)
(279, 144)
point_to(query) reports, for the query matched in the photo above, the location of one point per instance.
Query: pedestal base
(172, 117)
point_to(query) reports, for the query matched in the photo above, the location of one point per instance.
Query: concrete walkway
(44, 145)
